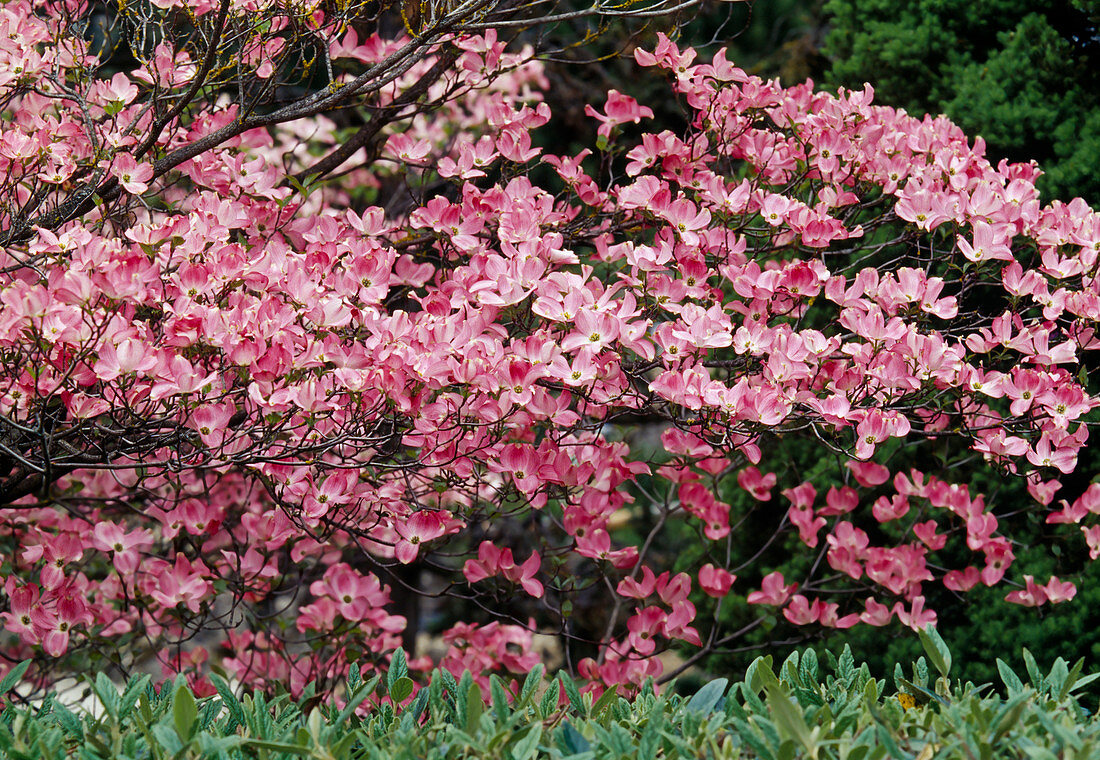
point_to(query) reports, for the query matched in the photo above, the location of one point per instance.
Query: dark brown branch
(197, 82)
(379, 120)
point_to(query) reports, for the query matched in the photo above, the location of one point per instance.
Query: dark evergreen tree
(1024, 75)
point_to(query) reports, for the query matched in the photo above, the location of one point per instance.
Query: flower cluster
(242, 393)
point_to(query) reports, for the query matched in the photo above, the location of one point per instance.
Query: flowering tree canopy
(244, 403)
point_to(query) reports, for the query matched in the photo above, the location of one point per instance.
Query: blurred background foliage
(1025, 76)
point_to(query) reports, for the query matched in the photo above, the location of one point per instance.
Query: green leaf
(764, 675)
(66, 719)
(808, 669)
(217, 746)
(1071, 679)
(846, 667)
(920, 671)
(291, 749)
(752, 737)
(572, 693)
(499, 698)
(534, 678)
(651, 736)
(13, 676)
(936, 649)
(145, 709)
(706, 700)
(229, 699)
(1011, 681)
(1033, 671)
(753, 680)
(788, 671)
(462, 690)
(755, 704)
(401, 689)
(871, 691)
(609, 695)
(131, 695)
(184, 711)
(1083, 681)
(1011, 715)
(887, 740)
(357, 698)
(450, 684)
(399, 668)
(342, 748)
(107, 693)
(1059, 673)
(168, 738)
(305, 189)
(435, 695)
(416, 707)
(788, 718)
(475, 706)
(550, 698)
(573, 740)
(526, 747)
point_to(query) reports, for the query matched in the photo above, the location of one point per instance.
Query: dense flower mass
(268, 411)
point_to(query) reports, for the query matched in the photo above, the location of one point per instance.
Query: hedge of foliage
(795, 711)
